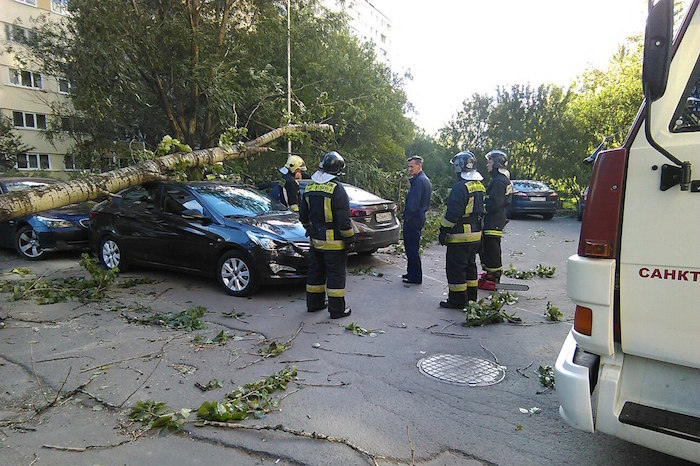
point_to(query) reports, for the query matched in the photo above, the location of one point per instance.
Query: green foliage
(274, 349)
(154, 415)
(80, 289)
(252, 399)
(361, 331)
(220, 339)
(21, 271)
(187, 320)
(10, 144)
(366, 271)
(431, 229)
(168, 145)
(546, 376)
(235, 315)
(213, 384)
(541, 271)
(482, 312)
(132, 282)
(553, 313)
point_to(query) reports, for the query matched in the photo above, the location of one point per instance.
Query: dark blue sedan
(228, 231)
(32, 236)
(532, 197)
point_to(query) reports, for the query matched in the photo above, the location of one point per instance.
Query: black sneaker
(345, 313)
(404, 276)
(450, 305)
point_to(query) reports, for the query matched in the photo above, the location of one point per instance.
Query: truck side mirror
(657, 49)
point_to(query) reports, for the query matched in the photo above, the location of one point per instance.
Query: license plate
(538, 199)
(383, 217)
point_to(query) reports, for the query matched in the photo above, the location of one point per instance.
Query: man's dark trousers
(411, 241)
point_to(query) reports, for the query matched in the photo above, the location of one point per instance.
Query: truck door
(660, 236)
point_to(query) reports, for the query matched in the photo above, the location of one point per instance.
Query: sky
(455, 48)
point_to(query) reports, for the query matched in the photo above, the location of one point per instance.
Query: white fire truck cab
(630, 366)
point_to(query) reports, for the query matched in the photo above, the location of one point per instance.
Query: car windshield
(14, 186)
(526, 186)
(237, 201)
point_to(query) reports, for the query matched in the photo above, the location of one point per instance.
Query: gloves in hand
(349, 243)
(442, 237)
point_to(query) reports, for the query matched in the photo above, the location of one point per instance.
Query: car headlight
(54, 222)
(263, 241)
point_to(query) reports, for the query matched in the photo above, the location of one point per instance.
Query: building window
(63, 86)
(18, 34)
(29, 120)
(28, 2)
(59, 6)
(26, 79)
(33, 162)
(69, 162)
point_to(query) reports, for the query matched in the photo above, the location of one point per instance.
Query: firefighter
(460, 230)
(325, 213)
(292, 173)
(498, 196)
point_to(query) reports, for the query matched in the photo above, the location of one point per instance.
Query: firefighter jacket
(463, 216)
(325, 213)
(291, 192)
(498, 195)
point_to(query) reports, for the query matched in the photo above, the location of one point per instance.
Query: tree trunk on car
(23, 203)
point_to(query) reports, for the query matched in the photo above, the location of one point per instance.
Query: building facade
(26, 94)
(366, 23)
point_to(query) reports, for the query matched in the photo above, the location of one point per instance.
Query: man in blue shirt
(417, 204)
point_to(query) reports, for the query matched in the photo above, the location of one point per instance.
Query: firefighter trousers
(491, 254)
(327, 271)
(460, 266)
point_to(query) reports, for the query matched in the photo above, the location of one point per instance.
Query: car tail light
(520, 195)
(553, 195)
(601, 224)
(361, 213)
(583, 320)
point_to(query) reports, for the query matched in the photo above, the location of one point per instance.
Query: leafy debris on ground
(57, 290)
(213, 384)
(540, 271)
(553, 313)
(546, 376)
(155, 415)
(361, 331)
(483, 312)
(187, 320)
(366, 271)
(132, 282)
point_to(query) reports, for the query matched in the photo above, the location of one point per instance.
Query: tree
(18, 204)
(10, 145)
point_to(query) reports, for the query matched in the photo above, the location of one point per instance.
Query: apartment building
(25, 93)
(366, 23)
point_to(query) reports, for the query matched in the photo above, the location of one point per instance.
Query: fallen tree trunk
(19, 204)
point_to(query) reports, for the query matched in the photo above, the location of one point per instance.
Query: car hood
(284, 224)
(82, 209)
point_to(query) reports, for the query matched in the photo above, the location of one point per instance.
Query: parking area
(355, 400)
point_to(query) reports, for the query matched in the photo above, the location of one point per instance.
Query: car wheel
(27, 243)
(548, 216)
(235, 273)
(111, 254)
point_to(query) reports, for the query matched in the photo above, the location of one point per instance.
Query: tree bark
(19, 204)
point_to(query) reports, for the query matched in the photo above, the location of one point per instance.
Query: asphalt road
(91, 363)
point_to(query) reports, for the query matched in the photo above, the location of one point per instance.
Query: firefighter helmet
(294, 163)
(463, 162)
(499, 158)
(332, 163)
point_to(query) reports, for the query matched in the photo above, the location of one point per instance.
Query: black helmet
(332, 163)
(499, 158)
(463, 162)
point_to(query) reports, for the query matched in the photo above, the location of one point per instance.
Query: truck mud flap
(659, 420)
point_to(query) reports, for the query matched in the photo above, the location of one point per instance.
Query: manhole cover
(461, 370)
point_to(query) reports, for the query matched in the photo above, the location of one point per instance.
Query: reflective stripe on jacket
(325, 213)
(465, 208)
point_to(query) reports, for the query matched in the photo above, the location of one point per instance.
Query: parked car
(34, 235)
(582, 203)
(532, 197)
(228, 231)
(373, 219)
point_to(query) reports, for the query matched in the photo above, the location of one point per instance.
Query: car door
(182, 240)
(134, 221)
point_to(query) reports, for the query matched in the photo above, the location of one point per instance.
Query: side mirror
(194, 214)
(657, 49)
